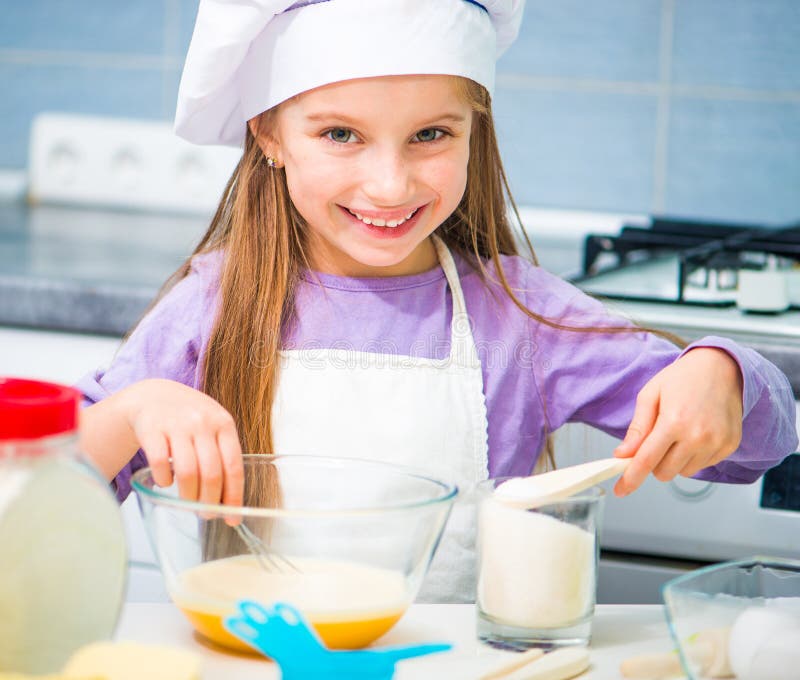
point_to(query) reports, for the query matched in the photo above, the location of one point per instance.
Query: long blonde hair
(264, 240)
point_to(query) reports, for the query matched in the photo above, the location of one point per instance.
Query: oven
(692, 279)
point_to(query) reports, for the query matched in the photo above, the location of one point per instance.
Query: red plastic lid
(30, 409)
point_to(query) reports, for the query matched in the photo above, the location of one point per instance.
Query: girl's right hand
(171, 420)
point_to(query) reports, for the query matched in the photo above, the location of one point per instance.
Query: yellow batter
(349, 605)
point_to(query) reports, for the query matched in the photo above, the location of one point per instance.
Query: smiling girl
(359, 291)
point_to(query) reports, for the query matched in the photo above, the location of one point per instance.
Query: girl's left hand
(687, 417)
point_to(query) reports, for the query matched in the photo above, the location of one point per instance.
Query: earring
(271, 162)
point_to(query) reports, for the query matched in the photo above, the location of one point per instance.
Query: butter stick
(133, 661)
(58, 676)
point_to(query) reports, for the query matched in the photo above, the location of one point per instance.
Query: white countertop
(620, 631)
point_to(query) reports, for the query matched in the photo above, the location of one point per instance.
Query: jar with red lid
(63, 557)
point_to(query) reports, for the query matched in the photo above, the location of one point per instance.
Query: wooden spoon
(550, 487)
(560, 664)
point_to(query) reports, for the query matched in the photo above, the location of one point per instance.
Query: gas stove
(755, 269)
(700, 278)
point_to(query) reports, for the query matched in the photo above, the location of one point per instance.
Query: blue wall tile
(735, 159)
(31, 89)
(580, 150)
(188, 14)
(737, 43)
(87, 25)
(588, 144)
(172, 79)
(615, 40)
(183, 18)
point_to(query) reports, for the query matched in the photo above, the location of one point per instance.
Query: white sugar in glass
(537, 570)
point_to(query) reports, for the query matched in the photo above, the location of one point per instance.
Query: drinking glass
(537, 570)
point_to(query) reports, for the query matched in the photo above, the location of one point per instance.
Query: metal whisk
(268, 559)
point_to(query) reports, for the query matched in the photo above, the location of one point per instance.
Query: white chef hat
(246, 56)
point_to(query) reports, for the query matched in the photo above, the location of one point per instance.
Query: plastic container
(739, 618)
(63, 558)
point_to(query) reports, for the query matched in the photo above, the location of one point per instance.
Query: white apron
(426, 413)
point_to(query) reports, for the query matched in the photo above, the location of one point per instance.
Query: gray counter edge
(78, 307)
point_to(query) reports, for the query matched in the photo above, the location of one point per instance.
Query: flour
(535, 571)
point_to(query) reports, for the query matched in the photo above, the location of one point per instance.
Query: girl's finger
(209, 468)
(233, 466)
(673, 462)
(184, 463)
(642, 422)
(156, 450)
(650, 453)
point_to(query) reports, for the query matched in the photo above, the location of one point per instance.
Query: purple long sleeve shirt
(535, 377)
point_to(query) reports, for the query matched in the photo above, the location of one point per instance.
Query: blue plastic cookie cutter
(281, 633)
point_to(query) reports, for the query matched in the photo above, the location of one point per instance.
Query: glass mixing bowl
(349, 542)
(741, 613)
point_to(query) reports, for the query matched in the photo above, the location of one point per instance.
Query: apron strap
(462, 345)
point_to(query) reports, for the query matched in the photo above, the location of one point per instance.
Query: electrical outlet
(124, 163)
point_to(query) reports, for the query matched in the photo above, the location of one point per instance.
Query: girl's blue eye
(341, 135)
(346, 136)
(429, 135)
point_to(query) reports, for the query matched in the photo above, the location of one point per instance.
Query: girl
(359, 291)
